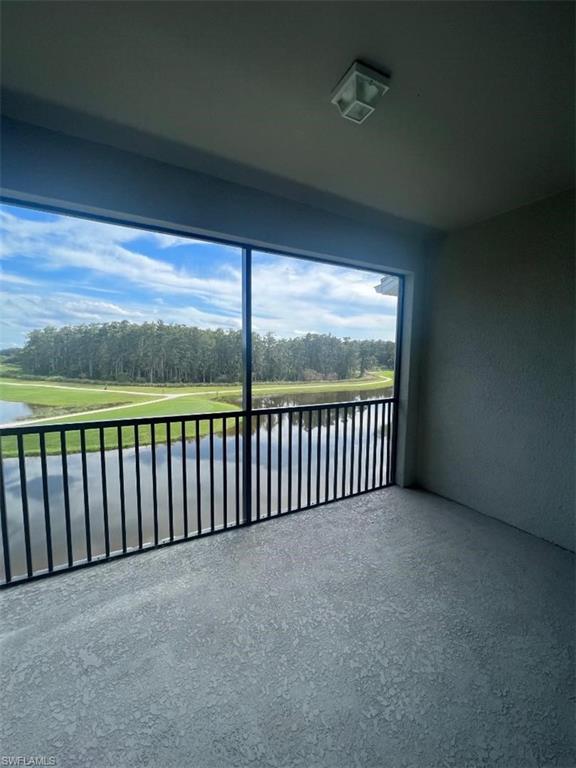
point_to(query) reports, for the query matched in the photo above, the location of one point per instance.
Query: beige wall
(496, 426)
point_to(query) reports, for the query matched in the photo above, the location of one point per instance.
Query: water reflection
(289, 400)
(10, 411)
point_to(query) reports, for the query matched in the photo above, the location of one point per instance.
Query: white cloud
(290, 296)
(25, 312)
(99, 248)
(318, 282)
(293, 297)
(6, 278)
(84, 287)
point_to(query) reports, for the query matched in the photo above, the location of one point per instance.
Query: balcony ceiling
(479, 118)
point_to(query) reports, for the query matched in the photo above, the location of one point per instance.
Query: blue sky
(60, 270)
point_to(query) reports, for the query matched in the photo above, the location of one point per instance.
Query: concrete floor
(397, 630)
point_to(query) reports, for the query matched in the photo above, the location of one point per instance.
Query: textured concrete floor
(396, 630)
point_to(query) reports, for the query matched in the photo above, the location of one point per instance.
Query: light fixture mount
(388, 286)
(356, 94)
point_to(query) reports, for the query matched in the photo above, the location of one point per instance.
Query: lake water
(10, 411)
(271, 490)
(311, 398)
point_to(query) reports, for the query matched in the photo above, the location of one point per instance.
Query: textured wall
(497, 390)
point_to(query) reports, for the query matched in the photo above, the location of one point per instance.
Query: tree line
(161, 353)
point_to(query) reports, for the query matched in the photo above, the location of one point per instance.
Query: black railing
(75, 494)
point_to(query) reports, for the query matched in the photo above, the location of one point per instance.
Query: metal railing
(75, 494)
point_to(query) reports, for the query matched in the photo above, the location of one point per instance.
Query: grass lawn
(49, 394)
(372, 381)
(44, 392)
(32, 443)
(140, 401)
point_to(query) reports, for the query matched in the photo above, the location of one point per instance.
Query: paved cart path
(29, 422)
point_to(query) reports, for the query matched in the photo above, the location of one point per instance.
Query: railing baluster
(198, 476)
(393, 433)
(257, 466)
(122, 490)
(154, 481)
(352, 448)
(169, 480)
(382, 437)
(4, 523)
(299, 459)
(86, 495)
(374, 446)
(391, 406)
(66, 491)
(336, 437)
(327, 470)
(269, 466)
(138, 486)
(318, 455)
(224, 474)
(289, 461)
(280, 458)
(344, 450)
(360, 441)
(24, 497)
(25, 513)
(104, 490)
(184, 480)
(309, 470)
(211, 433)
(237, 465)
(46, 499)
(367, 468)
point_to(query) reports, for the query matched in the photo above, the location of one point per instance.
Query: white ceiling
(479, 118)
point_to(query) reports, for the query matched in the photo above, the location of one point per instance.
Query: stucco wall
(497, 387)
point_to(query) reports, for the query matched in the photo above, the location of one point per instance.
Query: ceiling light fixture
(388, 286)
(358, 91)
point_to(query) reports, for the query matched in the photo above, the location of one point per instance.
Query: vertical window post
(397, 362)
(247, 385)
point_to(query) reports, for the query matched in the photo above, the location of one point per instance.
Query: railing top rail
(72, 426)
(35, 429)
